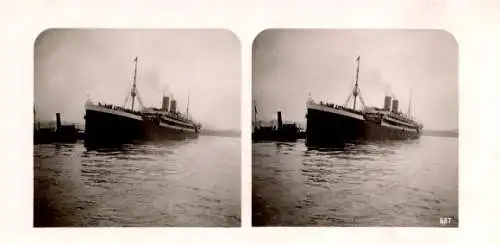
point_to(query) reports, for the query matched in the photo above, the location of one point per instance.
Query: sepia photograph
(137, 128)
(355, 128)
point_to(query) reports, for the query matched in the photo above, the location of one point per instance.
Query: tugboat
(282, 132)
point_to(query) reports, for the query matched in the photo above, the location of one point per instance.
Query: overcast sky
(73, 64)
(290, 64)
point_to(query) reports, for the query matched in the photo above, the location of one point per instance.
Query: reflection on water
(182, 183)
(395, 183)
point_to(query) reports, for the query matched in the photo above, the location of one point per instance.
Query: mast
(409, 106)
(255, 116)
(34, 117)
(187, 107)
(134, 92)
(355, 92)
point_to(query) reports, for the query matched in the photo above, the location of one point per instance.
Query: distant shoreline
(222, 133)
(440, 133)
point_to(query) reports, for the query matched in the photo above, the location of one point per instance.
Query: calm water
(183, 183)
(410, 183)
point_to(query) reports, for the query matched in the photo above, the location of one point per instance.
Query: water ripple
(408, 183)
(158, 184)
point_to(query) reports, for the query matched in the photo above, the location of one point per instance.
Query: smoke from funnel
(389, 92)
(166, 92)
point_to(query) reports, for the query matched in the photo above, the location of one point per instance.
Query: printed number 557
(445, 220)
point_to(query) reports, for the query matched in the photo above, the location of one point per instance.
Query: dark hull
(102, 128)
(66, 134)
(332, 129)
(155, 131)
(375, 131)
(275, 136)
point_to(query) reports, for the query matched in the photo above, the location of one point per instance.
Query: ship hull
(160, 131)
(327, 128)
(332, 128)
(109, 127)
(376, 131)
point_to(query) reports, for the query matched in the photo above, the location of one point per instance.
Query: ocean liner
(106, 123)
(329, 124)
